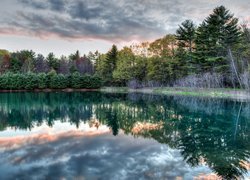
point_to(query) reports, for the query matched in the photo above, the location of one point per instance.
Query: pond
(93, 135)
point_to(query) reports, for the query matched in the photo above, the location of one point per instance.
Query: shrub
(96, 82)
(53, 80)
(58, 81)
(42, 81)
(75, 80)
(206, 80)
(245, 78)
(31, 81)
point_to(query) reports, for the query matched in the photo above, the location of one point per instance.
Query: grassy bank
(183, 91)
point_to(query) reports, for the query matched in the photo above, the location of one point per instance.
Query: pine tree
(185, 35)
(202, 49)
(106, 65)
(111, 58)
(215, 37)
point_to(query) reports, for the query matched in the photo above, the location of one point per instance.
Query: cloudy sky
(63, 26)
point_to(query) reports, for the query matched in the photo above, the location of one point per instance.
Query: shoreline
(47, 90)
(229, 93)
(180, 91)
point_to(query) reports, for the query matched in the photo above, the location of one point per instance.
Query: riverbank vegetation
(52, 80)
(214, 54)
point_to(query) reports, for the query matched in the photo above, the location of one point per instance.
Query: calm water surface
(122, 136)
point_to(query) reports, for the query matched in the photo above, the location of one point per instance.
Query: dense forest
(214, 54)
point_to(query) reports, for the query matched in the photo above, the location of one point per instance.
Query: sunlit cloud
(119, 22)
(107, 20)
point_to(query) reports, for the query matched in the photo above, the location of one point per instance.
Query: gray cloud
(34, 4)
(54, 5)
(57, 5)
(81, 10)
(109, 20)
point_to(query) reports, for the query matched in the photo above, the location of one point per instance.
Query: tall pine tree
(108, 65)
(215, 38)
(185, 35)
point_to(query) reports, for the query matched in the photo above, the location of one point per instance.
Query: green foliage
(15, 65)
(42, 81)
(95, 82)
(185, 35)
(22, 61)
(160, 70)
(4, 52)
(125, 66)
(111, 57)
(57, 81)
(53, 62)
(140, 68)
(11, 81)
(217, 46)
(76, 80)
(106, 64)
(163, 47)
(75, 56)
(4, 60)
(31, 81)
(215, 35)
(79, 81)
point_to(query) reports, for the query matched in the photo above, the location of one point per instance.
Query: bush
(58, 81)
(206, 80)
(42, 81)
(96, 82)
(12, 81)
(245, 78)
(30, 81)
(75, 80)
(134, 84)
(90, 82)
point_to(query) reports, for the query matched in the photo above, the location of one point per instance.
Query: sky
(64, 26)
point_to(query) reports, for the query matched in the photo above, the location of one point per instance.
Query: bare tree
(40, 64)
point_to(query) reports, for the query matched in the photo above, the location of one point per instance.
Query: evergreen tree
(52, 61)
(111, 58)
(185, 35)
(215, 37)
(109, 64)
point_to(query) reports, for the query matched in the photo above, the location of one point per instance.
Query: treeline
(52, 80)
(214, 54)
(24, 70)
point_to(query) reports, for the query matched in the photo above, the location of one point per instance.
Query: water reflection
(203, 132)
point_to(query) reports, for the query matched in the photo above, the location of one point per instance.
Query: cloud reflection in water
(88, 153)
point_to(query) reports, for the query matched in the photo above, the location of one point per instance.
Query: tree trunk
(234, 67)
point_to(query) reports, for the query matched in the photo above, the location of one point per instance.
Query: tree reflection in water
(211, 131)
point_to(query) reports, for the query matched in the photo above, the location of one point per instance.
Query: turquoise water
(122, 136)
